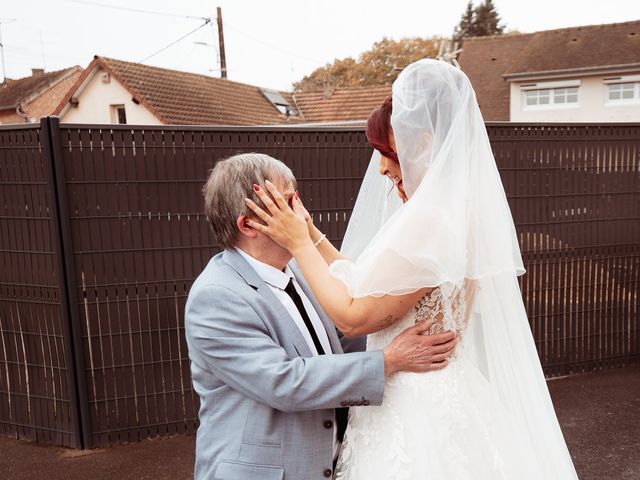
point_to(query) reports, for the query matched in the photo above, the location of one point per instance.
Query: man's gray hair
(230, 182)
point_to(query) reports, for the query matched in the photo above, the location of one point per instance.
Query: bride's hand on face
(286, 226)
(300, 209)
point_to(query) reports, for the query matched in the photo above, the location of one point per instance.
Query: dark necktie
(341, 413)
(291, 291)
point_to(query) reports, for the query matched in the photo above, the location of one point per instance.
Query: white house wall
(591, 106)
(95, 102)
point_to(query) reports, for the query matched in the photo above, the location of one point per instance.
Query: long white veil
(456, 225)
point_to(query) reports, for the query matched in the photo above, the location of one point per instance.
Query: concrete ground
(599, 413)
(600, 416)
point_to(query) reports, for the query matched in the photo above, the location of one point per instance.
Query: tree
(379, 65)
(487, 20)
(466, 25)
(480, 21)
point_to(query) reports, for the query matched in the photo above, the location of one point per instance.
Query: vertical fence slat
(73, 343)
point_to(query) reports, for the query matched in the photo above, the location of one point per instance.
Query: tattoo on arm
(389, 321)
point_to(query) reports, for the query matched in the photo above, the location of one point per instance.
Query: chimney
(36, 72)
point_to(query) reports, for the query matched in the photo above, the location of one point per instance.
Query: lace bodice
(447, 306)
(437, 424)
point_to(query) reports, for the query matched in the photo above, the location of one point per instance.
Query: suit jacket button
(344, 403)
(328, 424)
(352, 403)
(327, 473)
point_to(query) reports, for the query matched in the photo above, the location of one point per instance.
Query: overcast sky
(268, 43)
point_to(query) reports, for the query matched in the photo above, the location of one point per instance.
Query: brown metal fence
(574, 191)
(38, 383)
(102, 233)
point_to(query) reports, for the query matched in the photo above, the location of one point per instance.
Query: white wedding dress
(488, 414)
(438, 425)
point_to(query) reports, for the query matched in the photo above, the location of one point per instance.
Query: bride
(445, 252)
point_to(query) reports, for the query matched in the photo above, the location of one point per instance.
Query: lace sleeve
(447, 306)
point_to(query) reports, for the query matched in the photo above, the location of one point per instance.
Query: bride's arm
(353, 316)
(329, 253)
(324, 246)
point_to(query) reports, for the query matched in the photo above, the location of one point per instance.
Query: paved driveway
(599, 413)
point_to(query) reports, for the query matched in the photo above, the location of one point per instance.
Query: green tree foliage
(487, 20)
(480, 21)
(379, 65)
(466, 26)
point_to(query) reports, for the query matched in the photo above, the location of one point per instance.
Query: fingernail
(297, 195)
(256, 188)
(268, 183)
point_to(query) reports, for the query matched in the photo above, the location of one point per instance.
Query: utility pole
(223, 60)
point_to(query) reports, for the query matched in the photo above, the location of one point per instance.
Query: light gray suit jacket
(266, 402)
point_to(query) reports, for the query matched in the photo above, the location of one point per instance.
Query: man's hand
(413, 351)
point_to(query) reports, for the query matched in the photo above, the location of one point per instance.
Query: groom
(269, 366)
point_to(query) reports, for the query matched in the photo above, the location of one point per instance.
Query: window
(118, 114)
(121, 115)
(284, 109)
(278, 101)
(551, 97)
(623, 92)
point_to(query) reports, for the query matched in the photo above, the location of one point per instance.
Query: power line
(273, 47)
(137, 10)
(207, 21)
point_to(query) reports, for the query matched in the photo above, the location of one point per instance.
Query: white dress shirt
(277, 280)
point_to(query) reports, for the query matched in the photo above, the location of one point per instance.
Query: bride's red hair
(379, 128)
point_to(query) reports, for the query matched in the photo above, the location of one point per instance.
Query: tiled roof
(484, 60)
(183, 98)
(24, 90)
(490, 61)
(46, 103)
(579, 48)
(342, 105)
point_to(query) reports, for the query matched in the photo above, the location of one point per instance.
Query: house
(113, 91)
(27, 99)
(580, 74)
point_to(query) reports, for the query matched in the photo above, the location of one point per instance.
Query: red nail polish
(256, 187)
(297, 195)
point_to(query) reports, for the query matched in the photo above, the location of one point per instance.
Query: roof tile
(17, 92)
(342, 105)
(184, 98)
(487, 60)
(484, 60)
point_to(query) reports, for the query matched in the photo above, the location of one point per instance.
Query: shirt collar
(269, 274)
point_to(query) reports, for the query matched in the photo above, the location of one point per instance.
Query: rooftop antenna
(217, 59)
(4, 71)
(448, 52)
(44, 62)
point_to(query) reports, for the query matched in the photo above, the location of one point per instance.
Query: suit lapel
(240, 265)
(336, 346)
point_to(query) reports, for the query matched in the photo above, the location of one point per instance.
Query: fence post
(74, 352)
